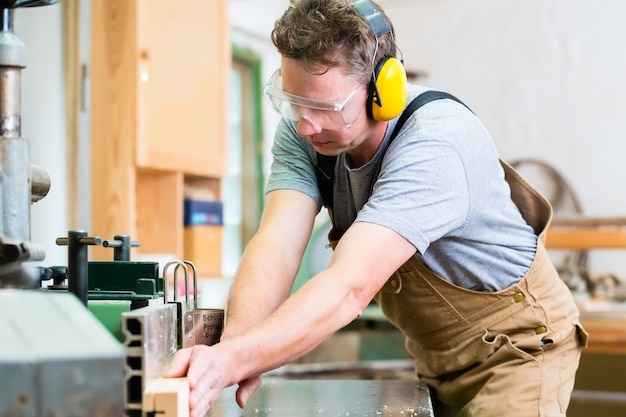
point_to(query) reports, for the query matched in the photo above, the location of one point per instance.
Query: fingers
(203, 376)
(201, 362)
(179, 365)
(204, 373)
(201, 402)
(246, 389)
(191, 362)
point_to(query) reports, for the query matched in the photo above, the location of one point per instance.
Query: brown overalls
(509, 353)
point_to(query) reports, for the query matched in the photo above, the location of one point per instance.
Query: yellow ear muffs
(389, 90)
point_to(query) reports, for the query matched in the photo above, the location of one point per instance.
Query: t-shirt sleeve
(293, 163)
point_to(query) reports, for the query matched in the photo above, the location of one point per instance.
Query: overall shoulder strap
(418, 102)
(325, 170)
(325, 173)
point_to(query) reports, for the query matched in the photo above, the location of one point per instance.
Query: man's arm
(365, 257)
(268, 267)
(271, 260)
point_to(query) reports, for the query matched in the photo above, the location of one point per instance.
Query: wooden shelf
(587, 233)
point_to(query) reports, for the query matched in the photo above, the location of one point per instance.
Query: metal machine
(21, 183)
(55, 357)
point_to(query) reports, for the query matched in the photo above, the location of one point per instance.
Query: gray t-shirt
(440, 186)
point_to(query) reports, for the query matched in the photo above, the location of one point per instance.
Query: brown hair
(321, 34)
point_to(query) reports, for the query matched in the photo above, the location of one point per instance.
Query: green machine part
(124, 280)
(109, 314)
(120, 286)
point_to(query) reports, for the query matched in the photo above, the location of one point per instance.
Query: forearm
(271, 260)
(326, 303)
(263, 281)
(300, 324)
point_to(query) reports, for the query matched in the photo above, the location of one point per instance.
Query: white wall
(545, 76)
(43, 120)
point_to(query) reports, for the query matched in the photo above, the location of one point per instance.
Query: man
(426, 220)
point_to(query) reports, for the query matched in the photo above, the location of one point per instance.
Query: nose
(307, 127)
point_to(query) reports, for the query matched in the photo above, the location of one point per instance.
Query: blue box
(199, 212)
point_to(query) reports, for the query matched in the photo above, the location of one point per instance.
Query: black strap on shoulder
(325, 173)
(325, 170)
(418, 102)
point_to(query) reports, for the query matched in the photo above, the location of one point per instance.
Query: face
(361, 134)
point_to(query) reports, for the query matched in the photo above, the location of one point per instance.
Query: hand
(246, 389)
(205, 373)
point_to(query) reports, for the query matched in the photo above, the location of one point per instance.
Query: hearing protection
(388, 86)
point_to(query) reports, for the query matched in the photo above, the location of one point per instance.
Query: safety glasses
(334, 114)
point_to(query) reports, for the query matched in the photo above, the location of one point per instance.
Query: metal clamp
(201, 326)
(180, 310)
(179, 264)
(195, 283)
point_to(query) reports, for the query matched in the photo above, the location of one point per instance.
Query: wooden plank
(167, 397)
(73, 88)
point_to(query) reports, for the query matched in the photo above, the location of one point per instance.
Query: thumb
(179, 365)
(246, 389)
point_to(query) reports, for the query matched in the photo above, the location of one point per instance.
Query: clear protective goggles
(332, 114)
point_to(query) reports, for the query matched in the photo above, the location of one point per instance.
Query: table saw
(307, 398)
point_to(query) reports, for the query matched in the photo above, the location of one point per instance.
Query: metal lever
(77, 261)
(121, 245)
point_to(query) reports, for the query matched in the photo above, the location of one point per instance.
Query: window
(243, 186)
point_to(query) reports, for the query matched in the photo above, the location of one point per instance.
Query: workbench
(323, 398)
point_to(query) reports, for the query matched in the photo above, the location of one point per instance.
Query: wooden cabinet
(159, 115)
(183, 62)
